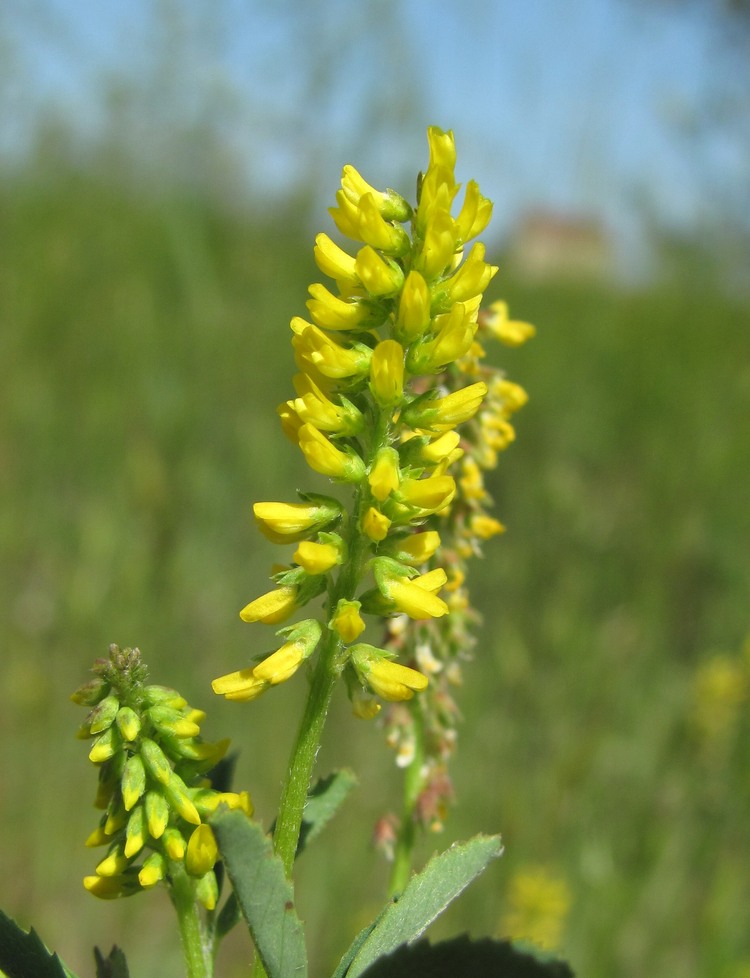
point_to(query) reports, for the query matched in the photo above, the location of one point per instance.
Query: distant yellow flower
(508, 331)
(720, 686)
(538, 905)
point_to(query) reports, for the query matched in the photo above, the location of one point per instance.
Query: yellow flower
(538, 904)
(471, 278)
(438, 247)
(375, 525)
(153, 870)
(202, 851)
(323, 456)
(413, 308)
(431, 494)
(446, 412)
(385, 474)
(317, 558)
(509, 332)
(379, 276)
(474, 215)
(334, 261)
(485, 527)
(347, 621)
(332, 312)
(248, 684)
(454, 338)
(272, 607)
(314, 350)
(415, 597)
(290, 522)
(387, 373)
(364, 221)
(388, 679)
(417, 548)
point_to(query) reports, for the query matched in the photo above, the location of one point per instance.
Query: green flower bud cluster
(152, 789)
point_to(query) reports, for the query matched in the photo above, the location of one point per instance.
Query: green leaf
(22, 955)
(264, 893)
(113, 966)
(323, 802)
(425, 897)
(463, 956)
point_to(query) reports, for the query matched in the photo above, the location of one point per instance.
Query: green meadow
(144, 347)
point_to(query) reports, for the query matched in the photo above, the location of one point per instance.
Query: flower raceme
(371, 413)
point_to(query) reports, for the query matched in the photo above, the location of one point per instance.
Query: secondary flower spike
(378, 412)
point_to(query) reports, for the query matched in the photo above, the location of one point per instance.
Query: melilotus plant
(395, 404)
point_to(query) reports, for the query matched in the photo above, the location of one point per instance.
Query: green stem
(197, 946)
(404, 850)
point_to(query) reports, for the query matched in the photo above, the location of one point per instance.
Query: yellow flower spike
(334, 261)
(314, 350)
(157, 814)
(446, 412)
(472, 277)
(322, 456)
(202, 851)
(331, 312)
(272, 607)
(387, 373)
(379, 276)
(388, 679)
(442, 147)
(317, 558)
(153, 870)
(385, 474)
(510, 332)
(475, 213)
(375, 525)
(347, 621)
(291, 522)
(413, 308)
(431, 494)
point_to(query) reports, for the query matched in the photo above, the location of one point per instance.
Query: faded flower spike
(153, 790)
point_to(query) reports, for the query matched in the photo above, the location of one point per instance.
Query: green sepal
(424, 898)
(156, 761)
(264, 893)
(23, 955)
(103, 715)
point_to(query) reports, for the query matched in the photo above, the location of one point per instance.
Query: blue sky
(582, 107)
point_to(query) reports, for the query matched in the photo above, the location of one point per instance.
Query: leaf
(113, 966)
(425, 897)
(23, 955)
(323, 802)
(463, 956)
(264, 893)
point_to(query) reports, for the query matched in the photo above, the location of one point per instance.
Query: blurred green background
(148, 269)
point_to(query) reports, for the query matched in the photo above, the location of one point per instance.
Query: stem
(402, 857)
(304, 752)
(197, 947)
